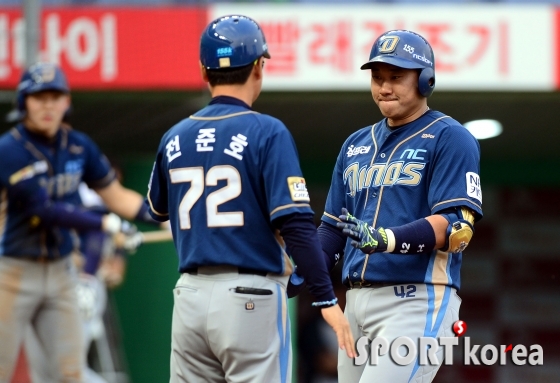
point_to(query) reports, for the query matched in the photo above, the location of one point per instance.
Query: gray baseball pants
(392, 311)
(220, 335)
(43, 295)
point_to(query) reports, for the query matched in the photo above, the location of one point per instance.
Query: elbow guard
(460, 229)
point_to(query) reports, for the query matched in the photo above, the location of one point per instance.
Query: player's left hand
(334, 316)
(363, 236)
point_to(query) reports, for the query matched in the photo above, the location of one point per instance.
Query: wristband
(325, 304)
(417, 237)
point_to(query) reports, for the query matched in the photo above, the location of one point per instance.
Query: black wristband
(417, 237)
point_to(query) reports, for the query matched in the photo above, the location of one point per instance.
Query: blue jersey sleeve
(157, 188)
(98, 172)
(283, 179)
(336, 198)
(455, 179)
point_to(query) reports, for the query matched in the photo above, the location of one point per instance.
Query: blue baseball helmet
(409, 50)
(38, 78)
(232, 41)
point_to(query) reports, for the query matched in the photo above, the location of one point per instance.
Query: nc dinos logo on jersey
(298, 189)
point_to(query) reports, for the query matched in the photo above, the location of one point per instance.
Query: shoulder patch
(29, 171)
(473, 186)
(298, 189)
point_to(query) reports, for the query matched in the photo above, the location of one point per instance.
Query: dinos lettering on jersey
(395, 173)
(61, 184)
(352, 150)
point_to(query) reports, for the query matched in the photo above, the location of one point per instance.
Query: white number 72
(195, 176)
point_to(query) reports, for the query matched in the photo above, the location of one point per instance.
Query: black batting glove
(363, 236)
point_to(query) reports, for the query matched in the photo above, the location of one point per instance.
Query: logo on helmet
(45, 73)
(388, 44)
(227, 51)
(424, 59)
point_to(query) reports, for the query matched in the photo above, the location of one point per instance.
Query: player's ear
(203, 73)
(258, 68)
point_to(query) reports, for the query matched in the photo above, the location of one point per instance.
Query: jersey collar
(38, 137)
(229, 100)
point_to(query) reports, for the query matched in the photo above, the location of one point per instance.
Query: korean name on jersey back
(228, 170)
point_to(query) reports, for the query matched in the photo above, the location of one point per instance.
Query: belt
(240, 270)
(361, 284)
(33, 259)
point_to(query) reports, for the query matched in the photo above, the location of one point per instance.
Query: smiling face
(45, 111)
(395, 91)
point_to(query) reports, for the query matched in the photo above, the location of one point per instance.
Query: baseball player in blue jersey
(228, 180)
(404, 197)
(100, 265)
(43, 162)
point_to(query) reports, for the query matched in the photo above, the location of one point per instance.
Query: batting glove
(363, 236)
(132, 237)
(125, 234)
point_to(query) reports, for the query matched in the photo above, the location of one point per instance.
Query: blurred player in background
(42, 165)
(406, 192)
(100, 264)
(229, 181)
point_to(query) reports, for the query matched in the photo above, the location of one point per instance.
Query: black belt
(34, 259)
(360, 284)
(240, 270)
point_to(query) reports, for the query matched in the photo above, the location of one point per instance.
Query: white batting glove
(111, 223)
(132, 242)
(125, 234)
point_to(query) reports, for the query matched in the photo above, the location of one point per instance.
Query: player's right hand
(128, 241)
(334, 316)
(363, 236)
(125, 234)
(132, 242)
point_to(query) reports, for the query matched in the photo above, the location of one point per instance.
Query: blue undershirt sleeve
(62, 214)
(300, 234)
(333, 242)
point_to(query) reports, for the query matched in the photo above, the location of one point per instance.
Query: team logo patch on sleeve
(473, 186)
(29, 171)
(298, 189)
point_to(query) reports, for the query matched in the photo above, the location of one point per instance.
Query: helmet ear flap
(426, 82)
